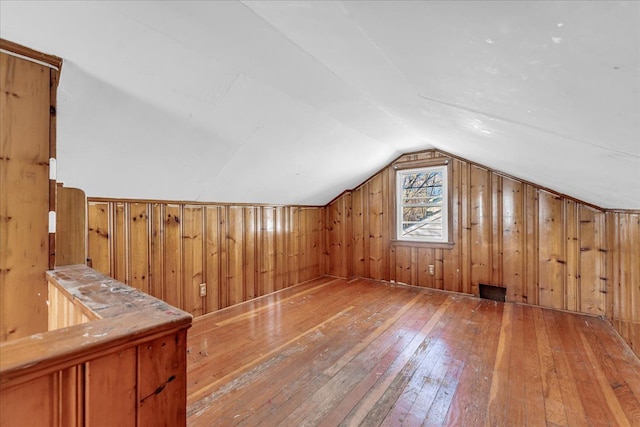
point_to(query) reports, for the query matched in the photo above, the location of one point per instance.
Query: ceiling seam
(389, 61)
(516, 122)
(384, 110)
(240, 72)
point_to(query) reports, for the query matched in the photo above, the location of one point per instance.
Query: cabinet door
(24, 196)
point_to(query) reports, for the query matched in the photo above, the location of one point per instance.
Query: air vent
(495, 293)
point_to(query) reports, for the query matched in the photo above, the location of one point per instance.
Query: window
(422, 204)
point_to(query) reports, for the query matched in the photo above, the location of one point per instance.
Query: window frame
(403, 167)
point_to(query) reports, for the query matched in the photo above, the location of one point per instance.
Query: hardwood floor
(334, 352)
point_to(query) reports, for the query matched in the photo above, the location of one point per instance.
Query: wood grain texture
(544, 248)
(338, 239)
(238, 252)
(335, 352)
(71, 228)
(65, 311)
(162, 381)
(54, 61)
(551, 256)
(98, 250)
(111, 389)
(36, 400)
(623, 270)
(25, 149)
(120, 358)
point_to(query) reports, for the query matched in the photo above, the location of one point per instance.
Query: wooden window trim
(417, 244)
(414, 164)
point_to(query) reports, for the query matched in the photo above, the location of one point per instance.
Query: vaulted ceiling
(293, 102)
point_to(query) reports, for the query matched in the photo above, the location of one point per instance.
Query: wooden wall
(71, 228)
(27, 142)
(168, 249)
(623, 235)
(545, 249)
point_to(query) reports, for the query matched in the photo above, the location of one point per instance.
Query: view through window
(422, 204)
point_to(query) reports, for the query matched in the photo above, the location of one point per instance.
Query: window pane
(422, 188)
(422, 204)
(422, 214)
(422, 222)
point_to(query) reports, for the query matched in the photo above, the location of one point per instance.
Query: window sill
(434, 245)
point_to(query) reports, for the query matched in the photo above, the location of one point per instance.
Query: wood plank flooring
(332, 352)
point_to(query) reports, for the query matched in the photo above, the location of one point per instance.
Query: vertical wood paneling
(35, 399)
(306, 236)
(551, 251)
(172, 255)
(119, 243)
(573, 256)
(238, 252)
(346, 237)
(426, 257)
(337, 244)
(316, 244)
(630, 267)
(366, 230)
(357, 215)
(235, 255)
(593, 289)
(192, 259)
(452, 279)
(480, 228)
(162, 380)
(98, 237)
(268, 252)
(544, 248)
(26, 93)
(376, 220)
(624, 273)
(403, 264)
(613, 268)
(249, 245)
(388, 219)
(72, 396)
(465, 237)
(138, 244)
(115, 376)
(293, 246)
(439, 277)
(156, 265)
(497, 230)
(512, 239)
(530, 219)
(224, 256)
(62, 310)
(280, 233)
(71, 227)
(630, 276)
(258, 286)
(212, 259)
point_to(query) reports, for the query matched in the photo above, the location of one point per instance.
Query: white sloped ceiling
(293, 102)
